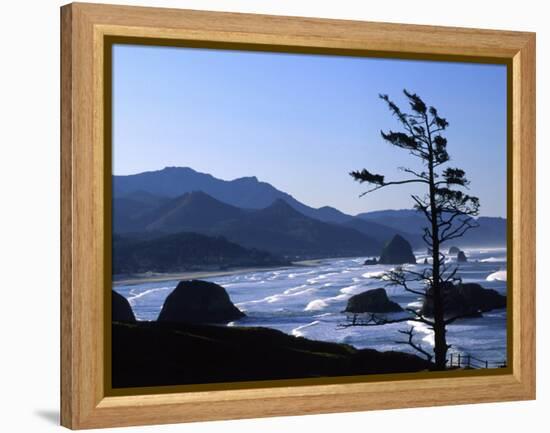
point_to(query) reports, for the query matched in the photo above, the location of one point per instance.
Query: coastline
(194, 275)
(268, 293)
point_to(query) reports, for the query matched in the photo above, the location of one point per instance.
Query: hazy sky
(302, 122)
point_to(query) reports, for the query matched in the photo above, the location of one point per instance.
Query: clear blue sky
(302, 122)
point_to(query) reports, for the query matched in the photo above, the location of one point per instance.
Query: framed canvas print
(272, 216)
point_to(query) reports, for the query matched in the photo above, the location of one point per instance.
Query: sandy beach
(194, 275)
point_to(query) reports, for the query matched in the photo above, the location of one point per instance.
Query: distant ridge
(278, 228)
(157, 201)
(245, 192)
(281, 229)
(193, 211)
(491, 230)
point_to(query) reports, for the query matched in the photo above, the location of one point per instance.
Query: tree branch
(374, 320)
(397, 182)
(411, 343)
(459, 232)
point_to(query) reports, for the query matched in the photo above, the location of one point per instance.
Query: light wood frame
(84, 403)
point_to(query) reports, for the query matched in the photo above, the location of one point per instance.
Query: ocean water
(308, 301)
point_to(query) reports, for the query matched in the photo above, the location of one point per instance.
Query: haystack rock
(467, 299)
(196, 301)
(461, 257)
(372, 301)
(453, 251)
(397, 252)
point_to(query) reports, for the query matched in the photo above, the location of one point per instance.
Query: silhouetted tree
(448, 211)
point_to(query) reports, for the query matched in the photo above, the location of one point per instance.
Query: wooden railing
(468, 361)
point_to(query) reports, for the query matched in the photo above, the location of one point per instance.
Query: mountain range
(245, 192)
(278, 228)
(256, 215)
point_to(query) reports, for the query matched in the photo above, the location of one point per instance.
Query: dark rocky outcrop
(157, 354)
(467, 299)
(372, 301)
(453, 251)
(459, 254)
(196, 301)
(121, 310)
(461, 257)
(397, 252)
(372, 261)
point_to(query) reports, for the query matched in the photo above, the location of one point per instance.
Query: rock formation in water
(372, 301)
(397, 252)
(453, 251)
(466, 299)
(196, 301)
(461, 257)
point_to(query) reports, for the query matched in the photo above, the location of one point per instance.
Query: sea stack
(461, 257)
(466, 299)
(196, 301)
(121, 310)
(453, 251)
(397, 252)
(372, 301)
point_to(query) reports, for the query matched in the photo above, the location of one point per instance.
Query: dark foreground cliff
(156, 354)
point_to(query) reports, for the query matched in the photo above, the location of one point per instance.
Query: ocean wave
(351, 290)
(340, 297)
(289, 293)
(375, 274)
(281, 296)
(274, 275)
(497, 276)
(321, 277)
(297, 332)
(320, 304)
(424, 329)
(300, 274)
(415, 304)
(493, 259)
(316, 305)
(133, 296)
(294, 289)
(323, 315)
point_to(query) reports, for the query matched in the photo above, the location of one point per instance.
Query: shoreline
(190, 275)
(194, 275)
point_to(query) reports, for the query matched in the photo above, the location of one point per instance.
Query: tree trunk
(440, 338)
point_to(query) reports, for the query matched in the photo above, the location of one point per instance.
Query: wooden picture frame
(85, 211)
